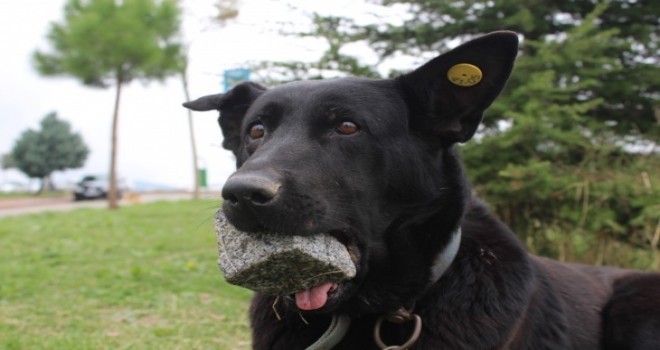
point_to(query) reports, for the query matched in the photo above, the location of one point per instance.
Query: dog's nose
(250, 189)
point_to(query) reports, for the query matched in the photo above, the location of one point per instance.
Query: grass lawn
(142, 277)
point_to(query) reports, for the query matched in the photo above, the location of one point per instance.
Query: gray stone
(280, 264)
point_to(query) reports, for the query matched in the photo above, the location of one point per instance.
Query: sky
(154, 142)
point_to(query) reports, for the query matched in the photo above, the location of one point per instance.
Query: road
(20, 206)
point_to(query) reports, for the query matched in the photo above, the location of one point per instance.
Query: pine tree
(107, 42)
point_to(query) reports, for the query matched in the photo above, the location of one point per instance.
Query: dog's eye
(347, 127)
(257, 131)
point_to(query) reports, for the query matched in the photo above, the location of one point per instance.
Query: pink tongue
(315, 297)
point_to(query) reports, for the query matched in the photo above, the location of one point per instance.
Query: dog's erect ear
(232, 106)
(448, 95)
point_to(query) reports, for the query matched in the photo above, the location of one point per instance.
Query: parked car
(97, 186)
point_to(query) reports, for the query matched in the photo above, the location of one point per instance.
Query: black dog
(374, 163)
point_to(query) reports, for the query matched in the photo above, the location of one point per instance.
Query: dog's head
(371, 162)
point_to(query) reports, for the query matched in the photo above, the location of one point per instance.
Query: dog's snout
(250, 189)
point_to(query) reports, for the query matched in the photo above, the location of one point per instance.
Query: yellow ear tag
(464, 74)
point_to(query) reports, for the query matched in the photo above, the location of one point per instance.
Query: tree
(558, 175)
(54, 147)
(564, 156)
(109, 42)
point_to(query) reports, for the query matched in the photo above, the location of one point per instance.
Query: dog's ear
(232, 106)
(448, 95)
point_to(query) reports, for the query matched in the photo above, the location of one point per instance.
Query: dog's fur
(393, 190)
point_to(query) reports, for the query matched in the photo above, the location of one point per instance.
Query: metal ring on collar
(413, 338)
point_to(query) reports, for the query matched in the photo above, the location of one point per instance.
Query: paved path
(20, 206)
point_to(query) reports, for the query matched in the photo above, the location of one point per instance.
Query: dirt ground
(14, 203)
(20, 206)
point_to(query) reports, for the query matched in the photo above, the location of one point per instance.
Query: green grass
(142, 277)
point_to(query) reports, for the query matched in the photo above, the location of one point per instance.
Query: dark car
(96, 186)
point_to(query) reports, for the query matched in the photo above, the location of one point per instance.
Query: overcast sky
(154, 143)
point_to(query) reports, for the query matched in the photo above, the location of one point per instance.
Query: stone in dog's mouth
(317, 296)
(308, 267)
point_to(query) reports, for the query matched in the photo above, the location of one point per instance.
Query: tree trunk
(601, 249)
(184, 80)
(112, 186)
(42, 185)
(46, 184)
(654, 247)
(50, 185)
